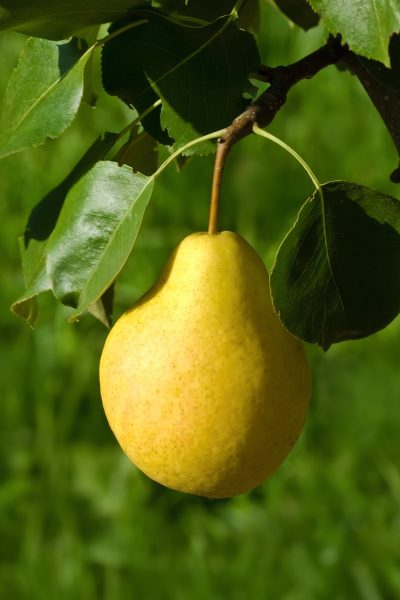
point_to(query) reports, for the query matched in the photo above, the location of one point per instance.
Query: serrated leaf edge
(83, 59)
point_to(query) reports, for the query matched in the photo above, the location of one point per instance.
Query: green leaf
(200, 74)
(43, 217)
(92, 239)
(299, 12)
(337, 273)
(365, 25)
(58, 19)
(40, 102)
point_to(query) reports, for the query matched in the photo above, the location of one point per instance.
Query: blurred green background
(77, 520)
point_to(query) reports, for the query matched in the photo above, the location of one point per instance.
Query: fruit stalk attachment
(262, 111)
(222, 152)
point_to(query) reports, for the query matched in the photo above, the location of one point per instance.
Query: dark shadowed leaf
(127, 79)
(69, 53)
(102, 309)
(200, 74)
(41, 99)
(91, 240)
(337, 273)
(139, 152)
(58, 19)
(250, 16)
(206, 10)
(365, 25)
(299, 11)
(209, 10)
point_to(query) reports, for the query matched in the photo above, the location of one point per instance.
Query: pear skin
(204, 389)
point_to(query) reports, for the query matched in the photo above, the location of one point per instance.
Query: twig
(263, 110)
(282, 79)
(385, 99)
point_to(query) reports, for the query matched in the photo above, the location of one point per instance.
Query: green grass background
(77, 520)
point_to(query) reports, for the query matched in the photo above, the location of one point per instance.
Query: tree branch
(264, 109)
(385, 99)
(281, 79)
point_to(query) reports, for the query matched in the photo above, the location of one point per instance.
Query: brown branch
(264, 73)
(281, 79)
(264, 109)
(385, 99)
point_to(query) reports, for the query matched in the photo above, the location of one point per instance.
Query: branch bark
(385, 99)
(264, 109)
(281, 79)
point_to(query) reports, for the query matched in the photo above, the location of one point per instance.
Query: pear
(204, 389)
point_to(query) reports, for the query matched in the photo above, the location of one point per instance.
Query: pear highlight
(204, 389)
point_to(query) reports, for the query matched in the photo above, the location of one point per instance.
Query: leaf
(200, 74)
(91, 241)
(43, 217)
(250, 16)
(337, 272)
(103, 307)
(365, 25)
(209, 10)
(57, 19)
(127, 80)
(387, 77)
(139, 152)
(69, 53)
(382, 85)
(40, 102)
(299, 12)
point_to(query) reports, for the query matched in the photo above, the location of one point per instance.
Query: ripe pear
(204, 389)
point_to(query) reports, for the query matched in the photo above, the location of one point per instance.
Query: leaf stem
(223, 150)
(187, 21)
(136, 121)
(209, 136)
(199, 140)
(114, 34)
(282, 144)
(237, 8)
(306, 167)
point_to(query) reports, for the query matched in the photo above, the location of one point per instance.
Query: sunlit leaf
(365, 25)
(92, 239)
(40, 101)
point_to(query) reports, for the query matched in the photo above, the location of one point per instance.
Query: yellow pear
(204, 389)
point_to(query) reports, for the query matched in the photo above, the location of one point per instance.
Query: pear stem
(223, 149)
